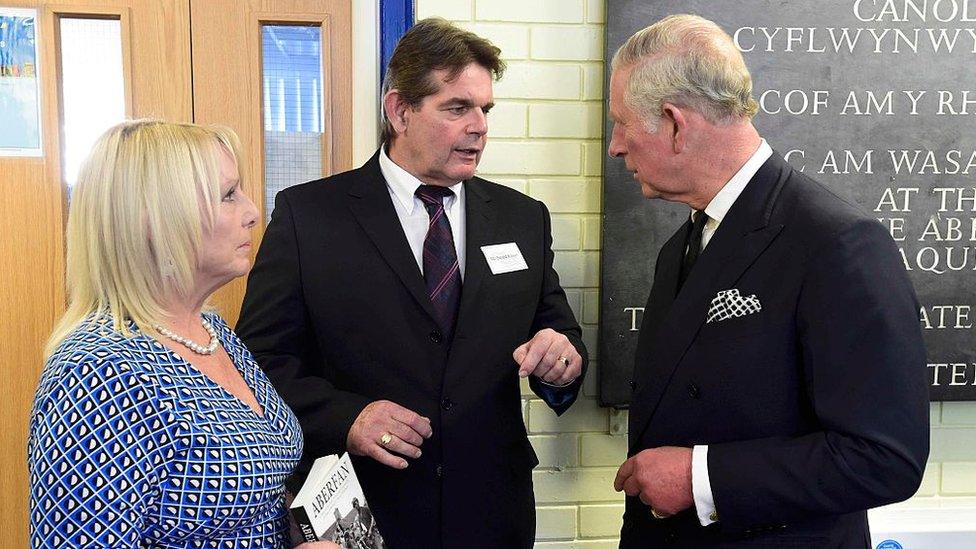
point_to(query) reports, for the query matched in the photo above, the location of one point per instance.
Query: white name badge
(504, 258)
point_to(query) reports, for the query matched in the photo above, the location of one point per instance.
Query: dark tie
(694, 245)
(441, 270)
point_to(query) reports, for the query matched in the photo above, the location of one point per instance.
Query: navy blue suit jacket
(815, 408)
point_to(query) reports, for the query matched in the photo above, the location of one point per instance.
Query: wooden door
(217, 81)
(229, 88)
(33, 197)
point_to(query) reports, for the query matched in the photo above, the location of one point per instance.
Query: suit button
(447, 404)
(436, 336)
(670, 538)
(693, 391)
(439, 471)
(632, 384)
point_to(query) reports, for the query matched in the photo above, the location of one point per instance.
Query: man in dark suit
(779, 384)
(395, 307)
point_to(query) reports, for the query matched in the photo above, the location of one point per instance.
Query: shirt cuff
(702, 487)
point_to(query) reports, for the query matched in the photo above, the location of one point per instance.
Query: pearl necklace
(193, 346)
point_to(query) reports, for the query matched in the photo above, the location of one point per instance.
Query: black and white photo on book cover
(356, 529)
(331, 506)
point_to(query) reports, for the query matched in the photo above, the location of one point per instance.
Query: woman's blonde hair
(689, 61)
(144, 197)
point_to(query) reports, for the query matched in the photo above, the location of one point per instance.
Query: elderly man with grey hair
(779, 386)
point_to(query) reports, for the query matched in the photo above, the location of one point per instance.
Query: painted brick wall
(546, 140)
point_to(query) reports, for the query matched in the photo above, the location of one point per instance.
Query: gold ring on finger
(386, 439)
(564, 360)
(657, 515)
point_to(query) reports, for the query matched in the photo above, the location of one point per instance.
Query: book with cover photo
(331, 506)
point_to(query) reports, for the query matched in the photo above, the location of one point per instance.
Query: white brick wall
(534, 11)
(556, 522)
(566, 232)
(593, 81)
(571, 43)
(458, 10)
(512, 39)
(531, 157)
(538, 80)
(600, 520)
(570, 195)
(546, 141)
(508, 119)
(578, 120)
(958, 478)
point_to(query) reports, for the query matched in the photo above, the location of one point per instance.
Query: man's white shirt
(716, 211)
(413, 214)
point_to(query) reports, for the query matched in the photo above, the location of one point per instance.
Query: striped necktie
(441, 270)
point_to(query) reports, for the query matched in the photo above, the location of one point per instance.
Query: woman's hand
(318, 545)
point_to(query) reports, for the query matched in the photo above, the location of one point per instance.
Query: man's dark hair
(434, 44)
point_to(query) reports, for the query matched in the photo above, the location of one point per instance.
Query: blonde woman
(152, 425)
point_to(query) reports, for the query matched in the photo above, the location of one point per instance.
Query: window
(292, 86)
(92, 85)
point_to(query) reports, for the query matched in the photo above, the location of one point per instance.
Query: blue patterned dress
(131, 446)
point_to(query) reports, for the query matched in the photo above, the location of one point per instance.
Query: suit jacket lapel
(663, 291)
(480, 224)
(373, 209)
(741, 238)
(659, 302)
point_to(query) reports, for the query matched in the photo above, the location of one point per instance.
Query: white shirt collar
(404, 184)
(722, 202)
